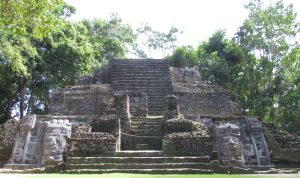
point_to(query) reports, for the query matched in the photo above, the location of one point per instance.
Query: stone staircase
(139, 162)
(147, 126)
(146, 134)
(149, 76)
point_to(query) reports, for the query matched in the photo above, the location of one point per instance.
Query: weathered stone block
(54, 141)
(187, 144)
(138, 103)
(229, 144)
(92, 144)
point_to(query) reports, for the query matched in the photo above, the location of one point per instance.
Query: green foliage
(29, 18)
(155, 40)
(20, 22)
(110, 39)
(270, 34)
(260, 67)
(288, 109)
(31, 64)
(184, 56)
(221, 63)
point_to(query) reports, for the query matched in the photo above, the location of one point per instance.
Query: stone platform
(142, 116)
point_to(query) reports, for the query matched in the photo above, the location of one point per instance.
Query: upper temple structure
(145, 116)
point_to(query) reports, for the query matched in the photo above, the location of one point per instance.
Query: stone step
(140, 70)
(147, 119)
(140, 65)
(139, 74)
(137, 82)
(145, 125)
(156, 102)
(140, 79)
(156, 107)
(123, 65)
(20, 166)
(139, 166)
(151, 131)
(153, 117)
(157, 134)
(148, 123)
(143, 171)
(144, 153)
(142, 146)
(141, 87)
(99, 160)
(153, 91)
(116, 74)
(153, 112)
(147, 131)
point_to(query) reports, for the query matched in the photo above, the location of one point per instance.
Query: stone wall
(185, 75)
(108, 123)
(138, 103)
(92, 144)
(205, 100)
(282, 152)
(209, 105)
(99, 76)
(185, 137)
(187, 144)
(81, 100)
(130, 142)
(8, 132)
(178, 125)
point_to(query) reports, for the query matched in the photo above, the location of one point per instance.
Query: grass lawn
(121, 175)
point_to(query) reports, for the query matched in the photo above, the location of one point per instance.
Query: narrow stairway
(146, 134)
(149, 76)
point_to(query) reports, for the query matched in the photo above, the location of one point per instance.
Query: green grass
(121, 175)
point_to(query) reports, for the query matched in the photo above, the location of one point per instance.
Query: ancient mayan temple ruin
(144, 116)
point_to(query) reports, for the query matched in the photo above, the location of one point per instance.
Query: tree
(110, 39)
(270, 34)
(288, 109)
(184, 56)
(221, 62)
(21, 22)
(63, 55)
(155, 40)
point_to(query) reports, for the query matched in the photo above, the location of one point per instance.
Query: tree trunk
(21, 92)
(9, 102)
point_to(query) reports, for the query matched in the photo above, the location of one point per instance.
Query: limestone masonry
(144, 116)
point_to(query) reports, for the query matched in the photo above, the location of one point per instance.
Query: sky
(197, 19)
